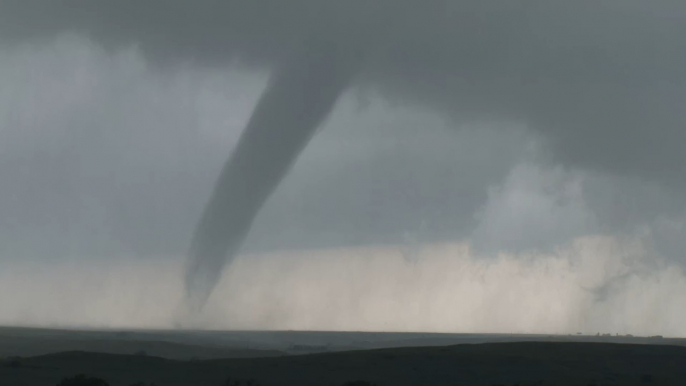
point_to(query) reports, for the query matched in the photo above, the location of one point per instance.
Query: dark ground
(533, 363)
(199, 358)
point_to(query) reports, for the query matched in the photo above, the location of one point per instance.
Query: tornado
(300, 94)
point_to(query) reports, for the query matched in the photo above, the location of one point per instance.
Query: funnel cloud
(298, 97)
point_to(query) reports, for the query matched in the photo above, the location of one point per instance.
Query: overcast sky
(512, 126)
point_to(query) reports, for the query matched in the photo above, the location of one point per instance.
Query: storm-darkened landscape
(323, 192)
(334, 358)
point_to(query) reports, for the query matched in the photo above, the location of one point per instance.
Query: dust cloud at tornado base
(593, 285)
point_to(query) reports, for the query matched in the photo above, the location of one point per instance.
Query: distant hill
(523, 363)
(32, 342)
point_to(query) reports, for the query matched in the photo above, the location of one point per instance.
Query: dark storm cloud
(515, 126)
(603, 81)
(103, 156)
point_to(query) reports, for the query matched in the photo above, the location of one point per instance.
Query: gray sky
(461, 110)
(512, 126)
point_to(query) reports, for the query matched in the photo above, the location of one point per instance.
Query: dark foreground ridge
(523, 363)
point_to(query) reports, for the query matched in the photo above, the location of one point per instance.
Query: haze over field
(486, 167)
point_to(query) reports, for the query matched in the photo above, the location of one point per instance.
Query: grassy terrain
(534, 363)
